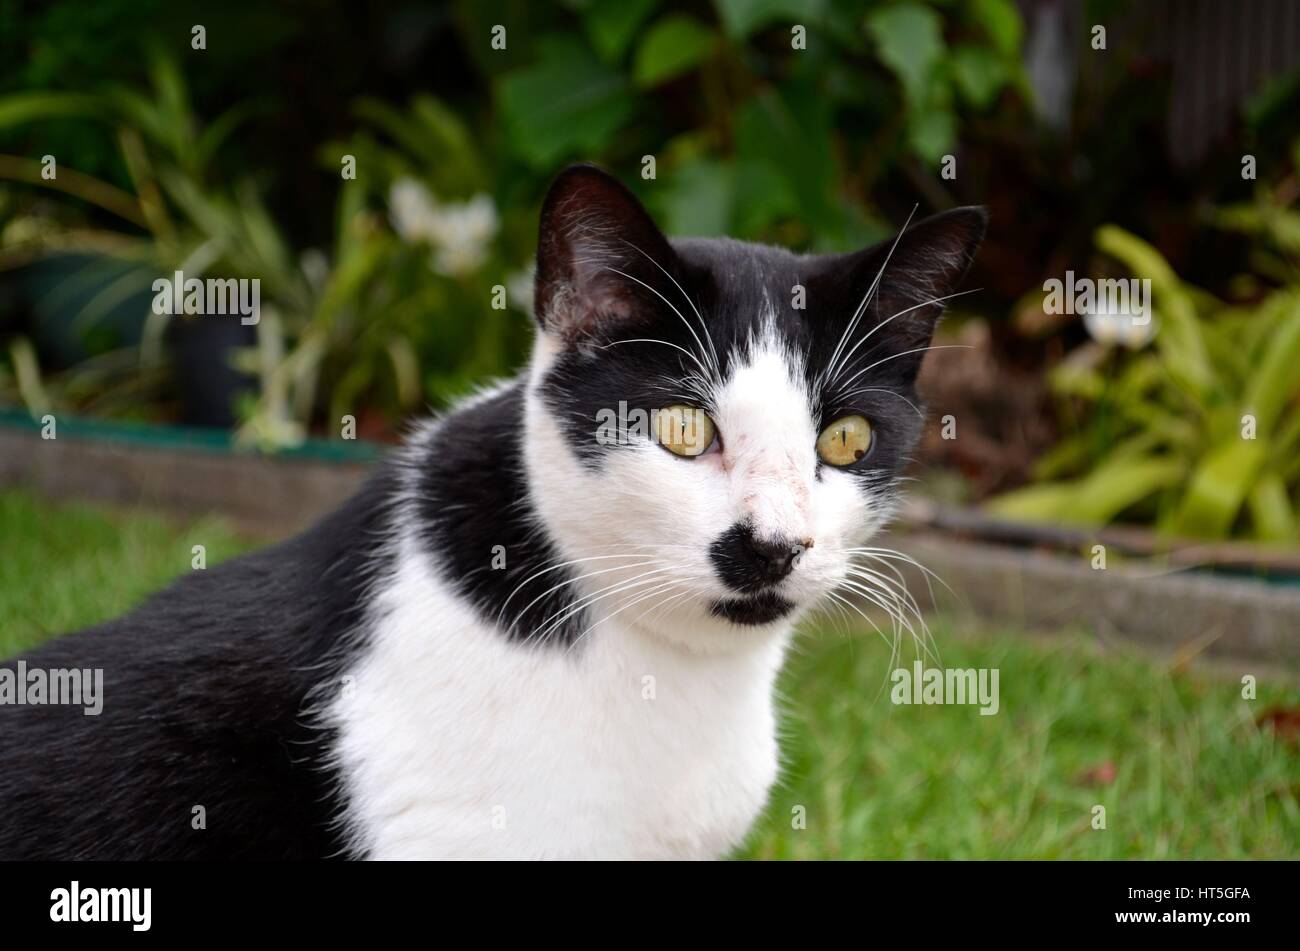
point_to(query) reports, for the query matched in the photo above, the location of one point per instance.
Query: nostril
(777, 555)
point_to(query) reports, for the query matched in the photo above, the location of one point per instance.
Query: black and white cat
(535, 633)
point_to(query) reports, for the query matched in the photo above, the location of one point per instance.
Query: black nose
(749, 563)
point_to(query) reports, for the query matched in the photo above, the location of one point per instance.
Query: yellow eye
(684, 430)
(844, 441)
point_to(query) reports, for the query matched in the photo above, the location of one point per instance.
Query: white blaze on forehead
(765, 416)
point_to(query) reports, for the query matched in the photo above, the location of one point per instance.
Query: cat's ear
(598, 255)
(905, 279)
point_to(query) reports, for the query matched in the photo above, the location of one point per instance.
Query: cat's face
(715, 426)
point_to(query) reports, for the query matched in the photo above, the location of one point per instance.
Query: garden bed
(185, 470)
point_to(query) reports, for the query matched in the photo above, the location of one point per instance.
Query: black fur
(473, 499)
(206, 690)
(748, 563)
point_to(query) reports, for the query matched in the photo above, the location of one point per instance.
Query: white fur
(654, 735)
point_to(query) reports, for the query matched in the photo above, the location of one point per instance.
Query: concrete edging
(1185, 612)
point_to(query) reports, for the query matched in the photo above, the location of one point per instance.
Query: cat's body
(519, 640)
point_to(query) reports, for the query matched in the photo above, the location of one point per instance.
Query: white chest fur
(456, 743)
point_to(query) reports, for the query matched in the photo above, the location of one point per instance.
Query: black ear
(599, 255)
(897, 287)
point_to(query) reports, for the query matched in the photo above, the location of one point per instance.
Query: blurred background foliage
(815, 124)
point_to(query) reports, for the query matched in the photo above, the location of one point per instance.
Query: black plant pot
(202, 350)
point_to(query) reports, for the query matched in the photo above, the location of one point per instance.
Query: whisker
(906, 310)
(703, 325)
(857, 315)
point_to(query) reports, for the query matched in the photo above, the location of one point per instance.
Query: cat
(544, 628)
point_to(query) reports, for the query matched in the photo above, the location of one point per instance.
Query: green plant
(1198, 434)
(370, 328)
(764, 120)
(770, 121)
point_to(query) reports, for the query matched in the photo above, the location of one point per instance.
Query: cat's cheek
(842, 511)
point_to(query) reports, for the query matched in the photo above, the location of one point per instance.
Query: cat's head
(715, 426)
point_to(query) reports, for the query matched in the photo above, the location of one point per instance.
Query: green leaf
(790, 129)
(1096, 499)
(674, 45)
(37, 106)
(909, 40)
(742, 17)
(1218, 488)
(979, 74)
(1120, 484)
(567, 103)
(931, 133)
(1034, 503)
(1180, 337)
(763, 197)
(611, 25)
(1001, 21)
(698, 198)
(1270, 509)
(1277, 380)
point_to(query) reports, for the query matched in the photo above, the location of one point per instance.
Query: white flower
(412, 210)
(460, 232)
(1122, 327)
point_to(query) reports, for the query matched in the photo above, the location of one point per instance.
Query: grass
(69, 566)
(1174, 757)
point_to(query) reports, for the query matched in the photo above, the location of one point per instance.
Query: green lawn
(69, 566)
(1175, 759)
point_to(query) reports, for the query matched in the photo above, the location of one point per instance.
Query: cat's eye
(684, 430)
(844, 441)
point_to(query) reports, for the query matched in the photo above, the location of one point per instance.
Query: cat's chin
(752, 610)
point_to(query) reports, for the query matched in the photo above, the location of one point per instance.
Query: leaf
(763, 197)
(27, 370)
(1218, 487)
(1277, 379)
(23, 107)
(931, 134)
(1033, 503)
(790, 129)
(611, 25)
(1284, 721)
(1001, 21)
(1270, 509)
(1097, 498)
(1100, 774)
(567, 103)
(909, 40)
(1180, 338)
(699, 198)
(1120, 484)
(742, 17)
(979, 74)
(674, 45)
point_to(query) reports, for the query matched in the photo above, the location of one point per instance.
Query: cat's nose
(775, 556)
(748, 562)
